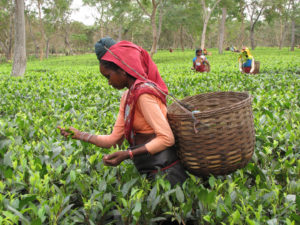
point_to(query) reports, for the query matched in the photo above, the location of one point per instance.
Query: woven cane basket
(256, 68)
(220, 138)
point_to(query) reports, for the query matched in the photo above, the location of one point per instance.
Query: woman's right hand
(75, 134)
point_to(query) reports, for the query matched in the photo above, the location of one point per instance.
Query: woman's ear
(122, 72)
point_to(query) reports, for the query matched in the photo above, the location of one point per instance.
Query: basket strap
(182, 105)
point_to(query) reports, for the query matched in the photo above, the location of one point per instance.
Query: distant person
(171, 50)
(204, 51)
(200, 62)
(246, 61)
(233, 48)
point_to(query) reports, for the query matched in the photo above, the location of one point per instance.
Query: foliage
(46, 179)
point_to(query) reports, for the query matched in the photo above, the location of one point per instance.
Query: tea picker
(200, 62)
(214, 132)
(142, 117)
(247, 64)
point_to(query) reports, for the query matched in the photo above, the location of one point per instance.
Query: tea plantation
(46, 179)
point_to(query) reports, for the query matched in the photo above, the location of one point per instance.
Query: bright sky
(85, 14)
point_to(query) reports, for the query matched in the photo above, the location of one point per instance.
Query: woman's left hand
(116, 158)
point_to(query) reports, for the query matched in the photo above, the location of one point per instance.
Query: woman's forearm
(139, 151)
(103, 141)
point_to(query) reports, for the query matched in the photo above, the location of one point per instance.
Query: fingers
(113, 159)
(63, 131)
(112, 156)
(110, 162)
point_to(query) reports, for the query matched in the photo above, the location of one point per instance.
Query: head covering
(247, 51)
(99, 46)
(198, 50)
(138, 59)
(132, 58)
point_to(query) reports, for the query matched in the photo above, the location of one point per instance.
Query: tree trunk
(19, 64)
(222, 30)
(293, 35)
(47, 48)
(10, 41)
(282, 36)
(242, 34)
(42, 41)
(252, 37)
(33, 39)
(120, 29)
(154, 32)
(132, 38)
(181, 38)
(174, 40)
(204, 34)
(160, 21)
(206, 16)
(68, 49)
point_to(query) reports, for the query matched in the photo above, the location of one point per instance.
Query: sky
(85, 14)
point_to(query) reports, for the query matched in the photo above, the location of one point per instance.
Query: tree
(42, 39)
(295, 12)
(19, 63)
(103, 8)
(255, 9)
(229, 11)
(56, 20)
(207, 10)
(279, 12)
(222, 29)
(6, 27)
(180, 19)
(242, 6)
(155, 30)
(30, 18)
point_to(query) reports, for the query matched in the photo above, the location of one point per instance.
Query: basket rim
(233, 106)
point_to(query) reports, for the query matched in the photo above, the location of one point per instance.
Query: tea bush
(46, 179)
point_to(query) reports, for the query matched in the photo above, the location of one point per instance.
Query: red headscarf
(139, 60)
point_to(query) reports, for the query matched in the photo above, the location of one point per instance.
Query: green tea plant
(47, 179)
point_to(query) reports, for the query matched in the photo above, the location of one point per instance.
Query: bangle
(130, 154)
(89, 137)
(81, 135)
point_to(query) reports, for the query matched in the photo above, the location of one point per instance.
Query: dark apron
(165, 162)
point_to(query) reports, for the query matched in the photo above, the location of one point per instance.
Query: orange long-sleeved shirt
(150, 117)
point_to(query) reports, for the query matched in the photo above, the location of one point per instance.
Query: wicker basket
(225, 136)
(256, 68)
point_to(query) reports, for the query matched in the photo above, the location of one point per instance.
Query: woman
(142, 118)
(200, 62)
(246, 61)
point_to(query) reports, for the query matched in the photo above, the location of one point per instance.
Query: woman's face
(117, 79)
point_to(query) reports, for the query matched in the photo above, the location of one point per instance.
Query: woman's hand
(116, 158)
(75, 134)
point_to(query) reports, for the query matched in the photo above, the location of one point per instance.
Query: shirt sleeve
(149, 107)
(117, 134)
